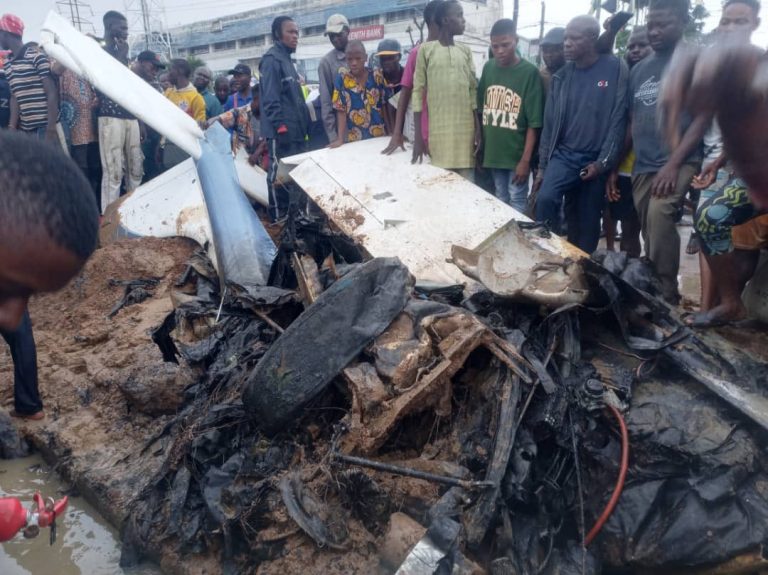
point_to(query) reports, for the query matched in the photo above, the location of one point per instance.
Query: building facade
(223, 42)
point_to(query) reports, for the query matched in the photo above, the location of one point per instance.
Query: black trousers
(277, 201)
(26, 398)
(88, 159)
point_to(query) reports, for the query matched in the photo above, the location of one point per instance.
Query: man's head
(285, 31)
(504, 42)
(430, 13)
(149, 64)
(450, 18)
(666, 24)
(241, 74)
(580, 39)
(221, 89)
(48, 222)
(638, 46)
(202, 78)
(11, 31)
(115, 26)
(552, 49)
(356, 57)
(389, 53)
(179, 72)
(337, 30)
(739, 20)
(164, 80)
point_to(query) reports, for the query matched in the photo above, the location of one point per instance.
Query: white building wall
(479, 17)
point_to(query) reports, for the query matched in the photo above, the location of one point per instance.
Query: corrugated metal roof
(200, 34)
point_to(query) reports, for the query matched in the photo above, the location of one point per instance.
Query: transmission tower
(146, 26)
(78, 12)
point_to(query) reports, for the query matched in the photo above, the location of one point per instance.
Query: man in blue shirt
(583, 134)
(241, 74)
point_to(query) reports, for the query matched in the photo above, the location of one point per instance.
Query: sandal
(29, 416)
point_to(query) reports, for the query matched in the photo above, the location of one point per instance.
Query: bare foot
(723, 314)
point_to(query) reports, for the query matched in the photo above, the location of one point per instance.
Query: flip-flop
(705, 319)
(29, 416)
(693, 246)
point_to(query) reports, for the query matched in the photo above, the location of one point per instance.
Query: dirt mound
(84, 356)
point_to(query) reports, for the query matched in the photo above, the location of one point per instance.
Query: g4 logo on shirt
(602, 84)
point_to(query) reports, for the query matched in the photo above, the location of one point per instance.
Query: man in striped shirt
(34, 98)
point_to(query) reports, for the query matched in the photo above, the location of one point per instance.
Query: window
(216, 26)
(401, 15)
(221, 46)
(310, 67)
(199, 50)
(313, 31)
(252, 41)
(367, 21)
(181, 51)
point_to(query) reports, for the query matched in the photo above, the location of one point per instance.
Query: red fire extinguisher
(14, 517)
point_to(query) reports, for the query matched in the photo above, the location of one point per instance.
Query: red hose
(619, 481)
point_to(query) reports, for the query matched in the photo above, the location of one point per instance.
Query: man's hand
(612, 187)
(51, 134)
(420, 149)
(395, 142)
(665, 182)
(590, 172)
(522, 172)
(478, 139)
(706, 178)
(336, 144)
(537, 182)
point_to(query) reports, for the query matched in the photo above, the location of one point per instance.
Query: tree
(195, 62)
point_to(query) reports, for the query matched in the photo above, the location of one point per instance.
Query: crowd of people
(579, 144)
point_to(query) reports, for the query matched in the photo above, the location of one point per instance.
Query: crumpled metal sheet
(511, 266)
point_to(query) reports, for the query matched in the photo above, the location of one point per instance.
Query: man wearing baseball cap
(337, 30)
(34, 97)
(243, 95)
(389, 54)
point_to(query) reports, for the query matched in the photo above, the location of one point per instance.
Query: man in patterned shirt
(34, 98)
(359, 98)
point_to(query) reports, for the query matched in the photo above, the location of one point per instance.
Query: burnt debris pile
(348, 421)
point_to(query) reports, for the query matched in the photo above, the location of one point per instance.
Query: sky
(176, 12)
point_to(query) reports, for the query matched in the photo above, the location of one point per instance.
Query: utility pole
(75, 9)
(541, 30)
(146, 27)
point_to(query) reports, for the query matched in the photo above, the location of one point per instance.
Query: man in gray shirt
(337, 30)
(661, 176)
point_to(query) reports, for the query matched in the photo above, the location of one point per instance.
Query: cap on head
(389, 47)
(336, 24)
(240, 69)
(150, 56)
(555, 37)
(12, 24)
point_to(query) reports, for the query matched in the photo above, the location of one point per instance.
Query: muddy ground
(86, 360)
(95, 375)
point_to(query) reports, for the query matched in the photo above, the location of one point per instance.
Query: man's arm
(270, 92)
(13, 123)
(666, 178)
(52, 97)
(326, 93)
(419, 88)
(614, 143)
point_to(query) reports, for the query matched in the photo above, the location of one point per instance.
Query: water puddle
(85, 545)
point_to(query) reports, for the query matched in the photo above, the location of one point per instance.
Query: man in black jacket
(583, 134)
(284, 115)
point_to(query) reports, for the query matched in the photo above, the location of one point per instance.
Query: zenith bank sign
(374, 32)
